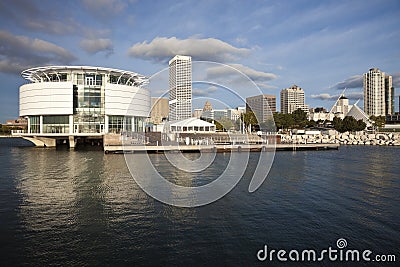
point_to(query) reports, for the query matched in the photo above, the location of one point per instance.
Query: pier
(216, 148)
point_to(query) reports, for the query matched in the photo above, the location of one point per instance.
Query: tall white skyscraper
(378, 93)
(292, 99)
(180, 88)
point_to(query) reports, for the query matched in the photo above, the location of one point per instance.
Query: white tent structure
(190, 125)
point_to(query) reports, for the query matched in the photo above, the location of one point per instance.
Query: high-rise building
(262, 105)
(180, 88)
(197, 112)
(292, 99)
(159, 109)
(378, 93)
(389, 95)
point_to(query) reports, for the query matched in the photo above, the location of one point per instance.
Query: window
(138, 124)
(56, 124)
(34, 122)
(115, 124)
(93, 80)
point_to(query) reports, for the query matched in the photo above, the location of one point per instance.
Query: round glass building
(83, 101)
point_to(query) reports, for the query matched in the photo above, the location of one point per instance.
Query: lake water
(83, 208)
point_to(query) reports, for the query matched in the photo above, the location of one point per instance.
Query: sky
(321, 46)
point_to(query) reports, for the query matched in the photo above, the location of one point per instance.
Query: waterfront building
(357, 113)
(234, 114)
(180, 88)
(392, 121)
(197, 112)
(20, 123)
(71, 101)
(190, 125)
(320, 116)
(292, 98)
(393, 118)
(342, 107)
(263, 106)
(219, 114)
(242, 110)
(159, 109)
(215, 114)
(378, 93)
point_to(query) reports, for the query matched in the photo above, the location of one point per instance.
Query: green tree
(300, 118)
(226, 124)
(299, 115)
(348, 124)
(361, 125)
(379, 121)
(338, 124)
(283, 121)
(268, 126)
(249, 119)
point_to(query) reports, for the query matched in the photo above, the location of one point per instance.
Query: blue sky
(322, 46)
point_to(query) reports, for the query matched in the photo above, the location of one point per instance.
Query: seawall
(358, 138)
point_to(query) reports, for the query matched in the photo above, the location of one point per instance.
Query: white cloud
(241, 41)
(161, 49)
(20, 52)
(236, 69)
(93, 46)
(204, 92)
(326, 96)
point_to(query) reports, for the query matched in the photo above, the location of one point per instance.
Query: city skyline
(322, 47)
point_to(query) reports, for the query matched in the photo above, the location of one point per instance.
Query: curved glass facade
(75, 100)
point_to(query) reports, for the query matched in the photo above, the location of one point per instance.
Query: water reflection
(84, 208)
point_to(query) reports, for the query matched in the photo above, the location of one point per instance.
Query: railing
(133, 138)
(18, 132)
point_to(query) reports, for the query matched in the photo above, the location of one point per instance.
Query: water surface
(61, 207)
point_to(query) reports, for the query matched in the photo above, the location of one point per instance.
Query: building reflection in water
(89, 192)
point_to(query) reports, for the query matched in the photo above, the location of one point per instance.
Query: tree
(338, 124)
(268, 126)
(348, 124)
(361, 125)
(5, 129)
(300, 118)
(283, 121)
(379, 121)
(226, 124)
(249, 118)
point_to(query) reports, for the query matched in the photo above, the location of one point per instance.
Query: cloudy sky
(322, 46)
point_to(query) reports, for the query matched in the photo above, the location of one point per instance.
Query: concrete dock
(216, 148)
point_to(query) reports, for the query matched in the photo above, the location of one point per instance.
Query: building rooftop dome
(39, 74)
